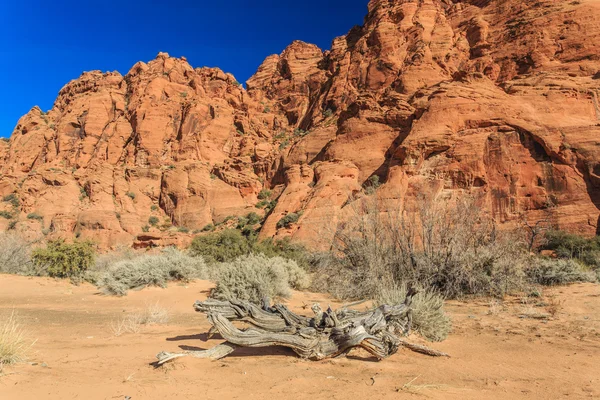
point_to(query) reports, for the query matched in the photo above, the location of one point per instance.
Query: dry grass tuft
(154, 314)
(14, 345)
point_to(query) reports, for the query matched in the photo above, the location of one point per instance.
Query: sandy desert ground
(499, 351)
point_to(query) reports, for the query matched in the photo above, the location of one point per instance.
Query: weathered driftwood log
(328, 334)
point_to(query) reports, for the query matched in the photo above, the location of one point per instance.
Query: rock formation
(496, 98)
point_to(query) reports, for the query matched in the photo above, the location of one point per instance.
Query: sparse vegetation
(64, 260)
(264, 194)
(12, 199)
(428, 316)
(208, 228)
(35, 216)
(224, 246)
(6, 215)
(15, 256)
(153, 221)
(151, 270)
(551, 272)
(154, 208)
(154, 314)
(131, 195)
(288, 220)
(445, 246)
(14, 345)
(371, 185)
(256, 277)
(328, 113)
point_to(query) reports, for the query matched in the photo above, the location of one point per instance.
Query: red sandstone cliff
(497, 98)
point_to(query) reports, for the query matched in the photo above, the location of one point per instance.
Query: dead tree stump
(326, 335)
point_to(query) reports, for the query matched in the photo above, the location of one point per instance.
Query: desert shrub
(15, 256)
(446, 246)
(222, 246)
(570, 246)
(256, 277)
(104, 261)
(35, 216)
(64, 260)
(428, 316)
(285, 249)
(264, 194)
(151, 270)
(262, 204)
(131, 195)
(288, 220)
(6, 214)
(14, 345)
(208, 228)
(153, 221)
(154, 314)
(183, 229)
(550, 272)
(253, 218)
(12, 199)
(372, 184)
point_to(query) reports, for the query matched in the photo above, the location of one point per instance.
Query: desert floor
(499, 351)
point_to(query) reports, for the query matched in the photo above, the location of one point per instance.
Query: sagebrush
(15, 256)
(428, 316)
(448, 246)
(257, 277)
(552, 272)
(152, 270)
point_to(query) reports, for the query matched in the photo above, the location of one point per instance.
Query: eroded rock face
(493, 98)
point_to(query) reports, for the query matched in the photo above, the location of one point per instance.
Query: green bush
(256, 277)
(65, 260)
(371, 185)
(154, 208)
(183, 229)
(264, 194)
(253, 218)
(285, 249)
(567, 245)
(151, 270)
(6, 215)
(428, 315)
(551, 272)
(12, 199)
(208, 228)
(153, 221)
(223, 246)
(262, 204)
(131, 195)
(35, 216)
(288, 220)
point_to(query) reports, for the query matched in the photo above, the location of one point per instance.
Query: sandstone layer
(493, 98)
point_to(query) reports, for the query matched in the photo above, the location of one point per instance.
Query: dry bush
(428, 316)
(14, 345)
(152, 270)
(154, 314)
(255, 277)
(449, 246)
(551, 272)
(15, 256)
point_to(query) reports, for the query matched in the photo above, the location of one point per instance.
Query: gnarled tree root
(328, 334)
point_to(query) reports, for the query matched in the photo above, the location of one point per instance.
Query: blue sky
(45, 44)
